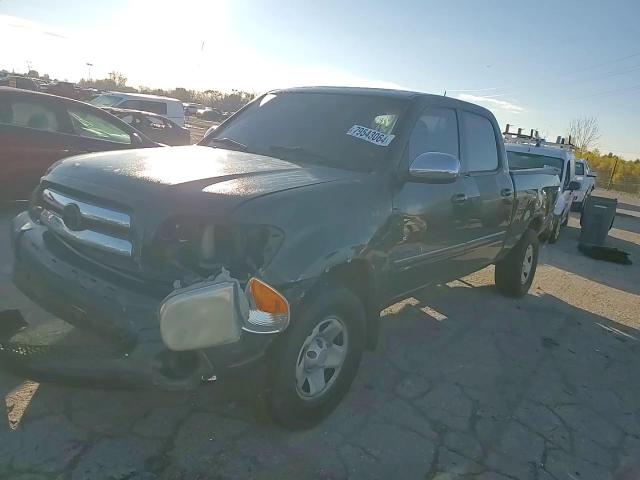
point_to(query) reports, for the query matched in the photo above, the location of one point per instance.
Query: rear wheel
(514, 274)
(316, 360)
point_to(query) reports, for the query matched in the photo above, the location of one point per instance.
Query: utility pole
(89, 65)
(615, 165)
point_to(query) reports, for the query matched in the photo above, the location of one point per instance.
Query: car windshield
(579, 168)
(524, 160)
(354, 132)
(105, 100)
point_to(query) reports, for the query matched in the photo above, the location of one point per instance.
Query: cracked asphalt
(465, 384)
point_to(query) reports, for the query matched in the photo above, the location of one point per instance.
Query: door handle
(506, 192)
(459, 198)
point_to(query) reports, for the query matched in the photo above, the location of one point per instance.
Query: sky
(535, 65)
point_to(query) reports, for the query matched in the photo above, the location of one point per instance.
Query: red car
(37, 129)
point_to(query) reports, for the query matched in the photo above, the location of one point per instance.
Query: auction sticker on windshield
(370, 135)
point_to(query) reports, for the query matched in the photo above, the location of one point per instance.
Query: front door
(489, 189)
(430, 218)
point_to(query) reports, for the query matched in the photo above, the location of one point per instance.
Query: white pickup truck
(537, 153)
(587, 179)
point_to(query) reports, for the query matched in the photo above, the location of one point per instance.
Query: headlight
(203, 247)
(202, 316)
(268, 308)
(213, 313)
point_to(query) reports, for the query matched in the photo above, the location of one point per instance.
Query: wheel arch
(357, 275)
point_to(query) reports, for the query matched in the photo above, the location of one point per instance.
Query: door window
(479, 141)
(128, 118)
(435, 131)
(154, 107)
(29, 114)
(145, 105)
(89, 125)
(155, 123)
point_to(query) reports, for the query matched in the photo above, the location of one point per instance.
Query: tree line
(612, 170)
(223, 101)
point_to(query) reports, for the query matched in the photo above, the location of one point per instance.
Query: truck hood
(172, 176)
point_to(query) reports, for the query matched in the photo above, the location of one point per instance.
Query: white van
(170, 108)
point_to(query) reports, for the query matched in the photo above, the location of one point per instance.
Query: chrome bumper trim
(88, 238)
(87, 210)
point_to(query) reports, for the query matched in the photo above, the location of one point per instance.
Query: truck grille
(87, 224)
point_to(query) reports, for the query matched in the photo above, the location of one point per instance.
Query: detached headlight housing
(203, 316)
(268, 309)
(214, 313)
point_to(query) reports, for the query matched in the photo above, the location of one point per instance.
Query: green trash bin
(596, 220)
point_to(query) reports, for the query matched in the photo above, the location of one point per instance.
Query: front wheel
(514, 274)
(316, 360)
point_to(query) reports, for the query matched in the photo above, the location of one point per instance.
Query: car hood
(172, 176)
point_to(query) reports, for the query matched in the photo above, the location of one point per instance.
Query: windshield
(105, 100)
(346, 131)
(524, 160)
(579, 168)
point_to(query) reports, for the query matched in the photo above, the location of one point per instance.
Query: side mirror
(435, 167)
(574, 185)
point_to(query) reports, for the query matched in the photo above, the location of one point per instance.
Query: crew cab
(276, 241)
(526, 153)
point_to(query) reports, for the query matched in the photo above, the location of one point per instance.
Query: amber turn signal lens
(266, 299)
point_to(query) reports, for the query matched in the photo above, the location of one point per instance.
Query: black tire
(285, 403)
(509, 271)
(555, 231)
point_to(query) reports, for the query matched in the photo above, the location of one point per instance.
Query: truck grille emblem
(72, 217)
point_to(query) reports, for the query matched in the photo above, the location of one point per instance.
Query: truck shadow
(450, 357)
(565, 255)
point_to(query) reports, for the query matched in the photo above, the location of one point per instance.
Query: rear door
(31, 139)
(489, 188)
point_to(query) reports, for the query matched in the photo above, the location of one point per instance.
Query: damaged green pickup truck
(277, 241)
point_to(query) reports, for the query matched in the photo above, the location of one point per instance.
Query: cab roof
(381, 92)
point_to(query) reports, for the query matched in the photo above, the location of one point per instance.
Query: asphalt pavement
(465, 384)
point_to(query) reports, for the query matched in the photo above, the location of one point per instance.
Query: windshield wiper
(286, 150)
(228, 142)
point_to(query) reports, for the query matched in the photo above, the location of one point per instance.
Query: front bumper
(122, 312)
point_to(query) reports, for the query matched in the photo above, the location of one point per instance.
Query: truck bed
(535, 193)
